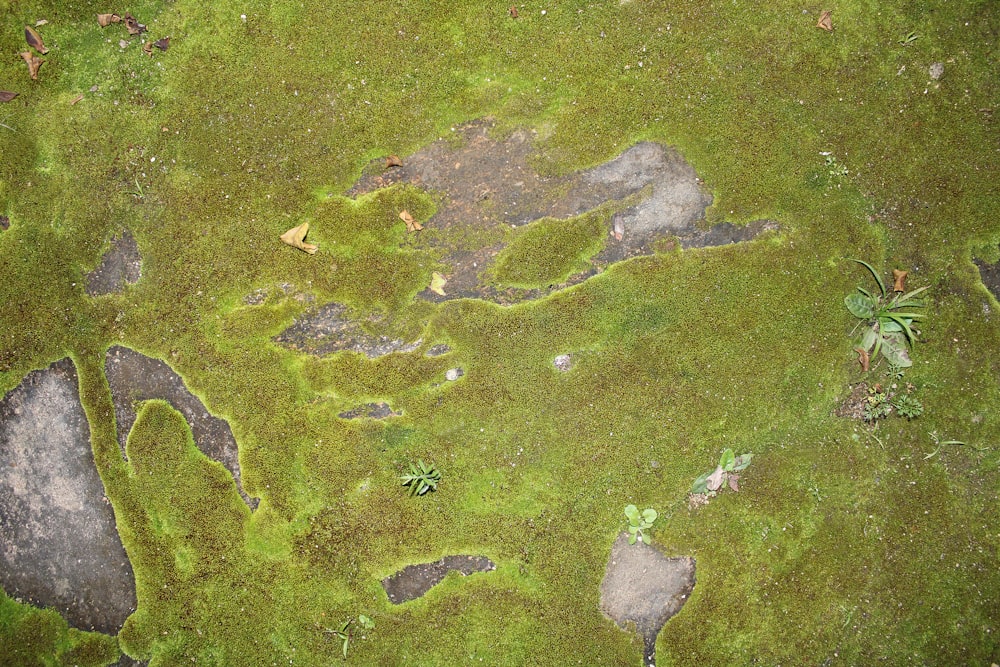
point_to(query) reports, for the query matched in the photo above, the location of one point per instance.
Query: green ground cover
(844, 546)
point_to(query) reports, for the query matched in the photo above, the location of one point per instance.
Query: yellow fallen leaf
(437, 283)
(411, 224)
(294, 237)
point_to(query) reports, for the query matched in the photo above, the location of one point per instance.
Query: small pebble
(453, 374)
(936, 70)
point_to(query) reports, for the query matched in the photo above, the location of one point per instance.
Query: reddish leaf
(162, 44)
(863, 358)
(7, 96)
(734, 482)
(825, 21)
(34, 40)
(33, 61)
(899, 280)
(133, 26)
(513, 12)
(104, 20)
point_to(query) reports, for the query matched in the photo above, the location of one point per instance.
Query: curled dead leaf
(76, 99)
(34, 40)
(899, 280)
(133, 26)
(33, 61)
(295, 237)
(393, 161)
(104, 20)
(512, 11)
(437, 283)
(863, 358)
(162, 44)
(825, 20)
(147, 48)
(7, 96)
(411, 224)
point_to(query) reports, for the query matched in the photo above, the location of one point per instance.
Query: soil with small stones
(413, 581)
(134, 377)
(990, 275)
(59, 546)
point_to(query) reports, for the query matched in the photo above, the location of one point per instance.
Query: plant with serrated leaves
(907, 406)
(887, 320)
(877, 404)
(422, 478)
(638, 522)
(727, 471)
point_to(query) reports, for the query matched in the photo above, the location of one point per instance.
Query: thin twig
(8, 127)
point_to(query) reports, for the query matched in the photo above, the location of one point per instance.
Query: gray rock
(413, 581)
(59, 546)
(936, 70)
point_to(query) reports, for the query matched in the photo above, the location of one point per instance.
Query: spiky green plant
(422, 478)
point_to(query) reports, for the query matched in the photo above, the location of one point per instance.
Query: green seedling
(422, 478)
(887, 320)
(909, 38)
(138, 193)
(345, 634)
(907, 406)
(639, 522)
(727, 472)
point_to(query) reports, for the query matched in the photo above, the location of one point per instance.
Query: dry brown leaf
(4, 223)
(104, 20)
(40, 22)
(714, 480)
(133, 26)
(393, 161)
(411, 224)
(899, 280)
(295, 238)
(34, 40)
(147, 48)
(825, 20)
(512, 11)
(33, 61)
(162, 44)
(734, 482)
(76, 99)
(437, 283)
(863, 358)
(7, 96)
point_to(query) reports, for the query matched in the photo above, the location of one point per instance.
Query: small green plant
(907, 406)
(908, 38)
(726, 472)
(639, 522)
(887, 320)
(422, 478)
(138, 193)
(345, 634)
(877, 405)
(835, 169)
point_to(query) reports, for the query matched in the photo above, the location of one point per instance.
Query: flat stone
(328, 329)
(371, 411)
(563, 362)
(134, 377)
(488, 183)
(413, 581)
(120, 265)
(643, 589)
(59, 545)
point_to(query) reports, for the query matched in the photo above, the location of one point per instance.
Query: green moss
(260, 124)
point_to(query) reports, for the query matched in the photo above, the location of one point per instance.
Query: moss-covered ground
(844, 546)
